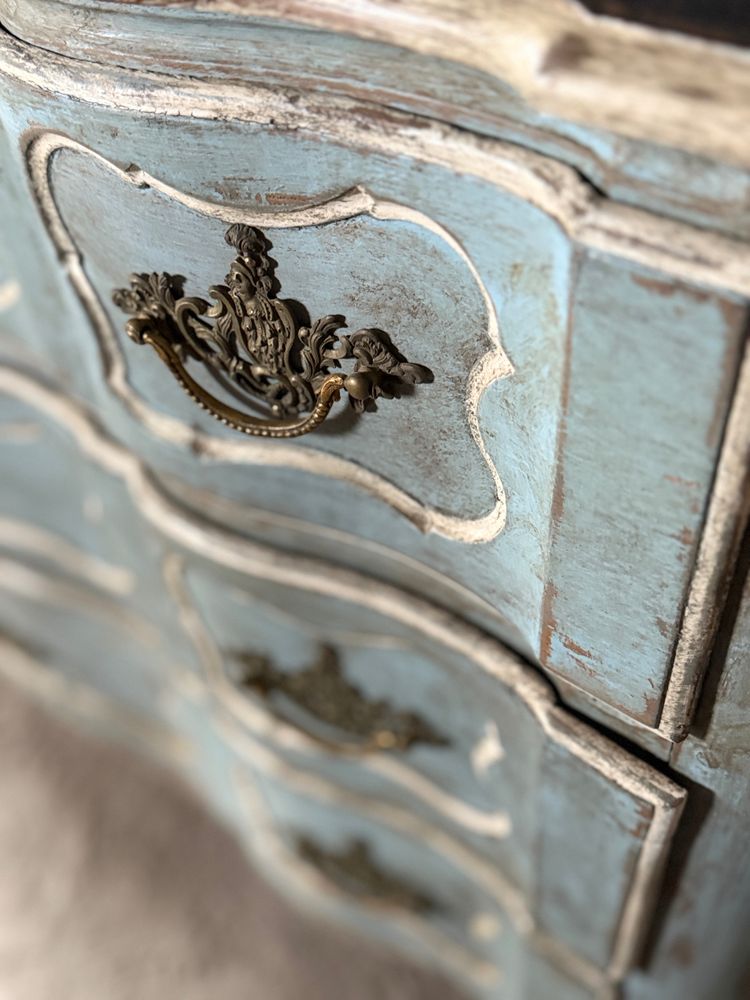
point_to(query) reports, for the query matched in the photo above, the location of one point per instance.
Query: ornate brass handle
(325, 695)
(354, 871)
(254, 345)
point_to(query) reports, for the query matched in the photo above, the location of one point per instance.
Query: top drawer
(617, 102)
(551, 482)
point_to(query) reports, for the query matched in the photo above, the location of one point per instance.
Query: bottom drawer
(393, 877)
(377, 869)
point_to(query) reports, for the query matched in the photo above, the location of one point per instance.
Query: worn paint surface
(582, 436)
(551, 486)
(471, 87)
(155, 636)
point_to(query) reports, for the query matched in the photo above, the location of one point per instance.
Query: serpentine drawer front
(561, 370)
(368, 691)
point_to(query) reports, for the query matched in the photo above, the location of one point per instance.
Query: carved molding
(602, 72)
(286, 736)
(493, 365)
(688, 252)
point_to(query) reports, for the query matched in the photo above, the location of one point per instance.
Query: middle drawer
(394, 702)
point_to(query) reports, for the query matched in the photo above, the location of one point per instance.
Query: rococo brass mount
(254, 346)
(354, 870)
(328, 697)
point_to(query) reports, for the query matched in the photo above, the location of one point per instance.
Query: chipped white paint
(485, 926)
(10, 294)
(630, 79)
(490, 367)
(488, 750)
(603, 72)
(23, 536)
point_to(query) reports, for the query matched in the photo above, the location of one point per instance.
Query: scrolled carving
(252, 341)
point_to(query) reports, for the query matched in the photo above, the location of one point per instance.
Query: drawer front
(380, 870)
(447, 730)
(551, 482)
(394, 878)
(386, 699)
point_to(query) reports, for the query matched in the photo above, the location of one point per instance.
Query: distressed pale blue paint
(642, 356)
(444, 687)
(525, 262)
(47, 483)
(173, 41)
(596, 594)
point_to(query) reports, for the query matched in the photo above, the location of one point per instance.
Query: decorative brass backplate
(354, 871)
(323, 692)
(255, 346)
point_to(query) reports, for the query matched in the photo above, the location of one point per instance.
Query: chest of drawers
(421, 578)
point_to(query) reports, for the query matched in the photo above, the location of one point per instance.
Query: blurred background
(115, 884)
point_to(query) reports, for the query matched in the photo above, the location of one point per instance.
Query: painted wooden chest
(374, 448)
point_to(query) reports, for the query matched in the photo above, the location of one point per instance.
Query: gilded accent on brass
(354, 871)
(323, 692)
(252, 343)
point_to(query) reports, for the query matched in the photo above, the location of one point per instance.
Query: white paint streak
(485, 927)
(31, 585)
(20, 432)
(93, 508)
(22, 536)
(488, 750)
(10, 294)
